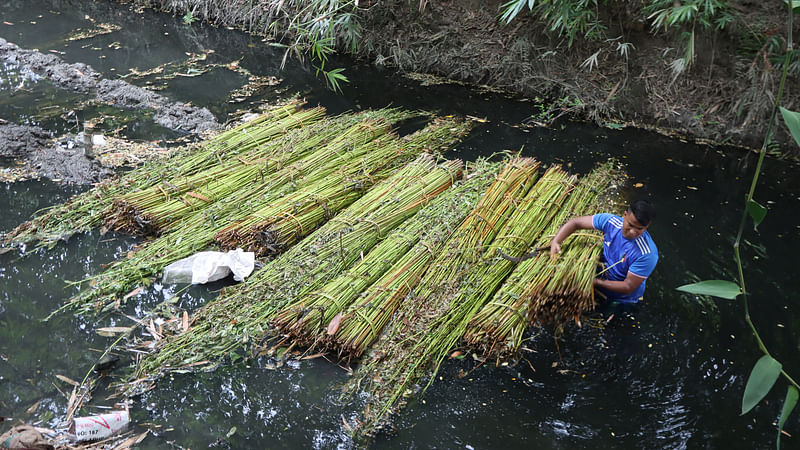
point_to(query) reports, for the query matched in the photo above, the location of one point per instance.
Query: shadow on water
(671, 377)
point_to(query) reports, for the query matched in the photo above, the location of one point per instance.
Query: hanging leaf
(757, 212)
(792, 120)
(718, 288)
(795, 5)
(762, 377)
(788, 406)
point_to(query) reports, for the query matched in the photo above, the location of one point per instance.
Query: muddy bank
(39, 155)
(82, 78)
(724, 97)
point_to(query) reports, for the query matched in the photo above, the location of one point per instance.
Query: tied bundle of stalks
(87, 210)
(197, 231)
(251, 150)
(280, 224)
(431, 297)
(243, 313)
(569, 290)
(337, 135)
(360, 324)
(497, 330)
(317, 316)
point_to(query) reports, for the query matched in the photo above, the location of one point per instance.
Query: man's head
(637, 218)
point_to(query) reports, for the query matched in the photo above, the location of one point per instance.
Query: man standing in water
(629, 253)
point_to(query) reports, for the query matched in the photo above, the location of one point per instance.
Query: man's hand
(555, 249)
(576, 223)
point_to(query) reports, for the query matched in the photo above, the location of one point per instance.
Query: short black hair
(644, 211)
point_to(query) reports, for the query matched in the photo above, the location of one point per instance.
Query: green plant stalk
(751, 193)
(242, 314)
(418, 236)
(528, 220)
(87, 210)
(462, 252)
(197, 231)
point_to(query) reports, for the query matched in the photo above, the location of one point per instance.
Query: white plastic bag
(205, 267)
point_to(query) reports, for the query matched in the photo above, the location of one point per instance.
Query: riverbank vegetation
(702, 69)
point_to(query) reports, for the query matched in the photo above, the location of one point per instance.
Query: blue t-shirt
(640, 255)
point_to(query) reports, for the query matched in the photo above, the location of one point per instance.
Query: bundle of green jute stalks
(242, 314)
(88, 210)
(569, 290)
(196, 232)
(388, 364)
(157, 209)
(139, 211)
(280, 224)
(356, 327)
(497, 330)
(339, 305)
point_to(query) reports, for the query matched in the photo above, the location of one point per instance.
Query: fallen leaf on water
(7, 23)
(333, 327)
(456, 354)
(33, 408)
(638, 185)
(315, 356)
(132, 293)
(111, 331)
(67, 380)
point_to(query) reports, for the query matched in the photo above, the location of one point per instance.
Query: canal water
(670, 377)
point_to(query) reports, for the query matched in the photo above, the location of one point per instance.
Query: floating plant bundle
(87, 210)
(157, 209)
(279, 224)
(360, 324)
(390, 364)
(569, 291)
(430, 346)
(497, 330)
(262, 150)
(242, 313)
(319, 314)
(196, 232)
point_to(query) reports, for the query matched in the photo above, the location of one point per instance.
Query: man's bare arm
(625, 287)
(577, 223)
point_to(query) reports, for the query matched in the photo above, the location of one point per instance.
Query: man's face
(631, 228)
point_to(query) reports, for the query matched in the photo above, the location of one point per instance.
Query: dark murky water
(671, 378)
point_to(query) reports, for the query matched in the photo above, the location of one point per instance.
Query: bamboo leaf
(717, 288)
(792, 120)
(762, 377)
(788, 405)
(757, 212)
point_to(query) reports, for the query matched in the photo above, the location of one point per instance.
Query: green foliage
(709, 14)
(318, 27)
(792, 120)
(718, 288)
(767, 370)
(762, 378)
(188, 18)
(757, 212)
(568, 18)
(788, 405)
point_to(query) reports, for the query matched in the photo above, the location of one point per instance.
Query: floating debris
(98, 30)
